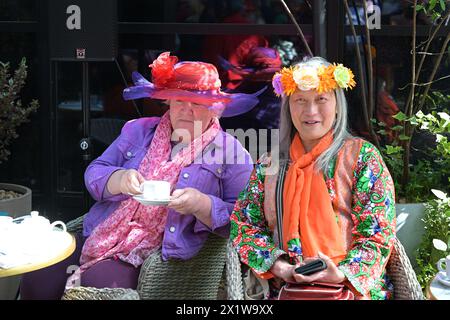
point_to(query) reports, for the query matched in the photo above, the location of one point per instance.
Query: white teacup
(156, 190)
(446, 270)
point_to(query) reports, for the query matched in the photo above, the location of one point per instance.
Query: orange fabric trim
(309, 213)
(346, 162)
(266, 275)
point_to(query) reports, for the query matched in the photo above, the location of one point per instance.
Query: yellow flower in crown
(344, 77)
(326, 76)
(306, 78)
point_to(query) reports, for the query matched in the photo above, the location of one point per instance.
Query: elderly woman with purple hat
(206, 169)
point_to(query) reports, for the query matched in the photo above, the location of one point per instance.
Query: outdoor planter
(410, 227)
(19, 206)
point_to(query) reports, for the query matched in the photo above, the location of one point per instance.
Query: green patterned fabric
(373, 231)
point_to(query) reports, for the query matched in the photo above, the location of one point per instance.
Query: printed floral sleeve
(250, 233)
(373, 214)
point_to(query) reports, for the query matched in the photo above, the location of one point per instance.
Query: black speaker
(83, 30)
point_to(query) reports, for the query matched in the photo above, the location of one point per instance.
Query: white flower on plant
(438, 193)
(444, 116)
(420, 114)
(440, 245)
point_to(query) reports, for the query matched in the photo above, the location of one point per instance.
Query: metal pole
(85, 144)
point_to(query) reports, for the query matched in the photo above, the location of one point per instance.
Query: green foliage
(437, 227)
(12, 113)
(433, 8)
(432, 170)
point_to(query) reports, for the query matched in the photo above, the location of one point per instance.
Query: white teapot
(34, 233)
(39, 224)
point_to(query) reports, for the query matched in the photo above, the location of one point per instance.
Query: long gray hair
(340, 132)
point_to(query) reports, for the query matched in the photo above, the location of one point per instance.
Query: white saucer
(151, 202)
(442, 278)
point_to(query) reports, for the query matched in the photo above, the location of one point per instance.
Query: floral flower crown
(322, 79)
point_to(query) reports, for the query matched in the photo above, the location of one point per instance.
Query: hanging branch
(433, 73)
(407, 129)
(422, 60)
(367, 121)
(302, 36)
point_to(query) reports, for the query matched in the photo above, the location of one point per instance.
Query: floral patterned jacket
(366, 206)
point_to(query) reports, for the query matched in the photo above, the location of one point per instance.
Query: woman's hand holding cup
(192, 201)
(130, 182)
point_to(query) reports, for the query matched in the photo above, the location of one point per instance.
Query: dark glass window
(391, 12)
(18, 10)
(24, 164)
(392, 71)
(213, 11)
(69, 127)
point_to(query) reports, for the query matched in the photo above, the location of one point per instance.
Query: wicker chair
(399, 269)
(196, 279)
(182, 280)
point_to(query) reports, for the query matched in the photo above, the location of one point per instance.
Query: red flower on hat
(163, 69)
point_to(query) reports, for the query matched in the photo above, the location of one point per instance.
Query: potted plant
(14, 199)
(429, 169)
(436, 239)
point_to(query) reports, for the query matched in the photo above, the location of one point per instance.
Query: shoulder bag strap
(279, 201)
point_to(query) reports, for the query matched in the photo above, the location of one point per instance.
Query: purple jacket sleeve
(234, 180)
(98, 172)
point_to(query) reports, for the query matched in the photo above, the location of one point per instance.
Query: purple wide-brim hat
(223, 104)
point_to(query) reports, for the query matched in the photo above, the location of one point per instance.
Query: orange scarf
(308, 212)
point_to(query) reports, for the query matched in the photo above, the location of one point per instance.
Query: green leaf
(403, 137)
(435, 16)
(400, 116)
(419, 7)
(432, 4)
(382, 132)
(397, 128)
(413, 120)
(442, 3)
(392, 150)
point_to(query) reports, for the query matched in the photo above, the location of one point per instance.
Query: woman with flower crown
(337, 197)
(205, 167)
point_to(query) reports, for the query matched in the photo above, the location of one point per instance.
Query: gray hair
(340, 132)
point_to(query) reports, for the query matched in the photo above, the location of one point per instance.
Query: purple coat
(222, 181)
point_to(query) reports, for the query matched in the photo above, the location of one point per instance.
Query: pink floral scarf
(133, 231)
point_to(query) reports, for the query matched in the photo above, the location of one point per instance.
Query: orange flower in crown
(287, 80)
(304, 78)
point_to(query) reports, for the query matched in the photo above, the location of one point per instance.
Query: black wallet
(311, 267)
